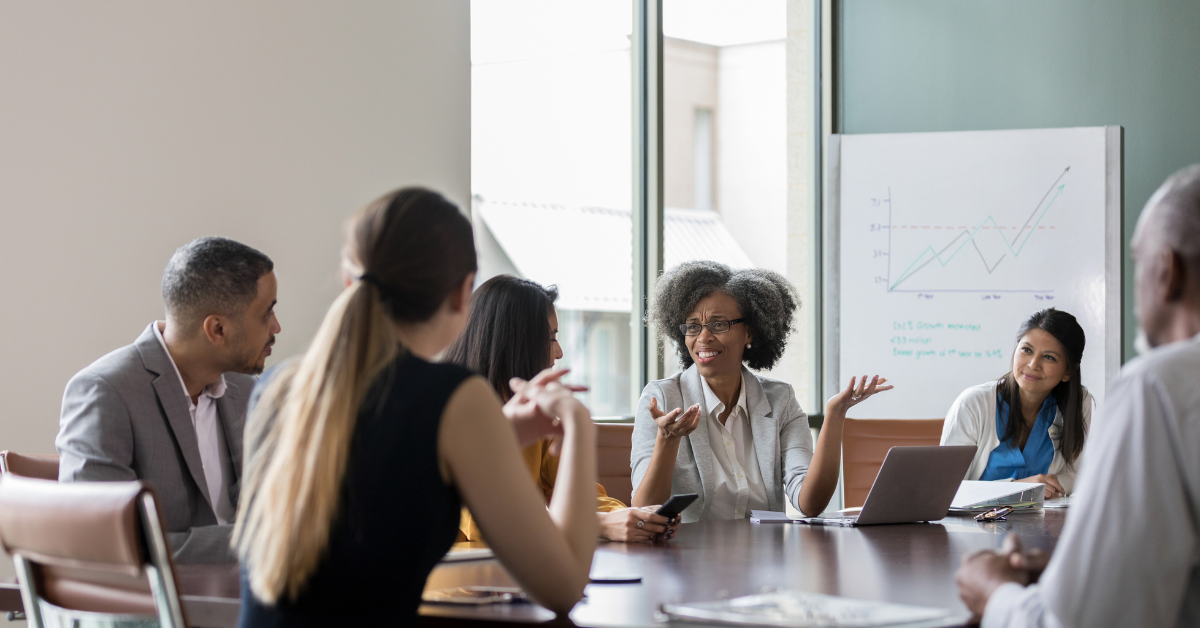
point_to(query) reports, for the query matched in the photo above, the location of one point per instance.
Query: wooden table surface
(910, 563)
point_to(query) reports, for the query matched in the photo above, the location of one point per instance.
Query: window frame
(647, 353)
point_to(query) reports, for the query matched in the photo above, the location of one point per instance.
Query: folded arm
(547, 550)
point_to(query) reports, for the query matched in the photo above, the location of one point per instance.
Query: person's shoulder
(240, 384)
(116, 368)
(779, 394)
(440, 377)
(774, 387)
(981, 393)
(666, 383)
(259, 384)
(447, 370)
(1162, 378)
(668, 390)
(1175, 365)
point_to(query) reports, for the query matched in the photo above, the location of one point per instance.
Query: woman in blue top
(1029, 425)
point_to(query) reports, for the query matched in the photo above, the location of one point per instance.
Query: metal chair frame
(42, 614)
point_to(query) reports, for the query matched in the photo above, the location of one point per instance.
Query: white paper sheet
(797, 609)
(975, 494)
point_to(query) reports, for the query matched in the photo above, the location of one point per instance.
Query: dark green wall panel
(954, 65)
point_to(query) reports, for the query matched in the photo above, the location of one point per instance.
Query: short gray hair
(1176, 207)
(212, 276)
(767, 300)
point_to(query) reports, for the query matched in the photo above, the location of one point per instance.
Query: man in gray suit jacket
(170, 409)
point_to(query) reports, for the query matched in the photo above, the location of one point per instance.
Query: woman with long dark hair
(349, 437)
(1029, 425)
(512, 331)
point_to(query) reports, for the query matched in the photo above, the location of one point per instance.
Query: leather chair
(614, 441)
(90, 552)
(865, 443)
(40, 466)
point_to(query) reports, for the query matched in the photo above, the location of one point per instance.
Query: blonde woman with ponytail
(347, 438)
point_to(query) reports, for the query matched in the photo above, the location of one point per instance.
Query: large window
(553, 168)
(551, 171)
(725, 132)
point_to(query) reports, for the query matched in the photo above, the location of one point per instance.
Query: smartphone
(676, 505)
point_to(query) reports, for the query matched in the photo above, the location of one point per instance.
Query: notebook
(978, 496)
(797, 609)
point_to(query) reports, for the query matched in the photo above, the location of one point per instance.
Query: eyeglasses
(715, 327)
(995, 514)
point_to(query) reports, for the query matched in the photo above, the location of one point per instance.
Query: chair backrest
(88, 551)
(865, 443)
(40, 466)
(614, 441)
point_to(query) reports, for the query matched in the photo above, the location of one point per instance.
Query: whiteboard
(939, 246)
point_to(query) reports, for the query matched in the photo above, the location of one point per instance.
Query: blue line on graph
(1016, 253)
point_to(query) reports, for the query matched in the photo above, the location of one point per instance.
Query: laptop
(914, 484)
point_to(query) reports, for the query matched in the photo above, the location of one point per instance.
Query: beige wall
(689, 83)
(752, 176)
(130, 127)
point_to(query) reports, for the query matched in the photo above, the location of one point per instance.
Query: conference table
(908, 564)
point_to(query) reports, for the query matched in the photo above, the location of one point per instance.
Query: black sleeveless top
(397, 517)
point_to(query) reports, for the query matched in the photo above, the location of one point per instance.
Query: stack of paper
(771, 516)
(980, 496)
(457, 554)
(803, 610)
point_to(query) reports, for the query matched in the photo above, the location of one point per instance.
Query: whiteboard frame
(1114, 256)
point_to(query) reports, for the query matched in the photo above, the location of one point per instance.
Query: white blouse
(740, 487)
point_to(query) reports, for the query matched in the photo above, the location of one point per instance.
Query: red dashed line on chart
(965, 228)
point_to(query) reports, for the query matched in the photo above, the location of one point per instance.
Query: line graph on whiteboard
(991, 252)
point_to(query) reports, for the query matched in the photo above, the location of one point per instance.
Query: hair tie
(373, 280)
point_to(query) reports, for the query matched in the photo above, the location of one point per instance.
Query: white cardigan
(972, 421)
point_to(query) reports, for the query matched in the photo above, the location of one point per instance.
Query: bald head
(1171, 219)
(1166, 256)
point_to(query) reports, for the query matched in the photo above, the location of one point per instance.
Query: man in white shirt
(170, 409)
(1130, 552)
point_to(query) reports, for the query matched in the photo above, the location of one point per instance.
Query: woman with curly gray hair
(737, 439)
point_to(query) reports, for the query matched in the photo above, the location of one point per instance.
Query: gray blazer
(782, 439)
(125, 417)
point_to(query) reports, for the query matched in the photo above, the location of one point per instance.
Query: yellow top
(543, 467)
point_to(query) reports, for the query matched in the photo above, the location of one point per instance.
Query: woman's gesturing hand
(636, 525)
(675, 423)
(856, 392)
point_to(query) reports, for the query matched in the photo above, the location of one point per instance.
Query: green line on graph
(910, 271)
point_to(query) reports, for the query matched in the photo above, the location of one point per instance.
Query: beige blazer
(782, 439)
